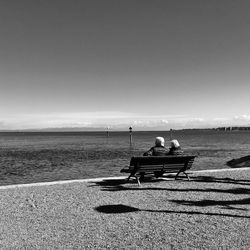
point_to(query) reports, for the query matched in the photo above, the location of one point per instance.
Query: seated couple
(160, 150)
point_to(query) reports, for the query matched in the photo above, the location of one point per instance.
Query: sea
(27, 157)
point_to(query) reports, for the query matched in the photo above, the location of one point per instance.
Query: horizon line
(101, 129)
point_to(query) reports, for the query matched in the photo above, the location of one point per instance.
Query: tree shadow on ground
(115, 185)
(185, 190)
(120, 208)
(220, 180)
(206, 203)
(116, 209)
(118, 185)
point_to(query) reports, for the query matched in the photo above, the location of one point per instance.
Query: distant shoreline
(60, 130)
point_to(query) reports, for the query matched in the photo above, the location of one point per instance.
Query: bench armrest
(127, 169)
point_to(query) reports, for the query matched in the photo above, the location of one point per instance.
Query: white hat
(159, 141)
(175, 144)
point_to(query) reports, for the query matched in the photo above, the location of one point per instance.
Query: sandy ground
(209, 212)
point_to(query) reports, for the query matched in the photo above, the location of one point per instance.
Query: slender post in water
(107, 131)
(130, 136)
(171, 135)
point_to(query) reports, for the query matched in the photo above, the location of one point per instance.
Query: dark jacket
(157, 151)
(175, 151)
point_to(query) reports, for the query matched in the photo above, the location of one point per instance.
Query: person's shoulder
(175, 151)
(149, 152)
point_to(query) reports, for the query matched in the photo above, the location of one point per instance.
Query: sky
(118, 63)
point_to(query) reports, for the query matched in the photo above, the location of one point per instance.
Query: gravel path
(209, 212)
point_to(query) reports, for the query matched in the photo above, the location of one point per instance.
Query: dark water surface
(27, 157)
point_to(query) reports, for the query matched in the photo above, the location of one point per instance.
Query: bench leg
(178, 174)
(182, 172)
(129, 177)
(186, 175)
(138, 180)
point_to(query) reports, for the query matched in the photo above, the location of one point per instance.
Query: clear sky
(110, 63)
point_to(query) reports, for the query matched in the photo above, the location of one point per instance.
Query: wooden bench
(158, 165)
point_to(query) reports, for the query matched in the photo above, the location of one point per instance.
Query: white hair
(175, 144)
(159, 141)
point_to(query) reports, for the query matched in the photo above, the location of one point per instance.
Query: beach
(87, 87)
(209, 212)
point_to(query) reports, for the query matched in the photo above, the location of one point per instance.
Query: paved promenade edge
(104, 178)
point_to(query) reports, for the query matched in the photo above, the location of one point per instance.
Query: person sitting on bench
(159, 149)
(175, 148)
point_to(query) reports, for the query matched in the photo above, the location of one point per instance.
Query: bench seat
(158, 165)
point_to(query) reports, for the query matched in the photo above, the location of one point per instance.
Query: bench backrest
(169, 163)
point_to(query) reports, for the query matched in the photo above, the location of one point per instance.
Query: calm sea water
(28, 157)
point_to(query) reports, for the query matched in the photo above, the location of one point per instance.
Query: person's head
(159, 141)
(174, 144)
